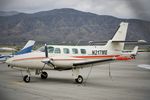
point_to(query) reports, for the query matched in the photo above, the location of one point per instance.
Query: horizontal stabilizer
(126, 41)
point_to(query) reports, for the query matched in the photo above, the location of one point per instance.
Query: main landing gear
(44, 75)
(26, 78)
(79, 79)
(77, 76)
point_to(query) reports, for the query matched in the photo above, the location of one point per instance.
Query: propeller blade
(46, 52)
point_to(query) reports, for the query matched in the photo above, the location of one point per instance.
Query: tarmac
(127, 82)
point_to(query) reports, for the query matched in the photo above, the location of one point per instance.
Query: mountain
(8, 13)
(65, 25)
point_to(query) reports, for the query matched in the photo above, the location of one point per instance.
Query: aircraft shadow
(53, 80)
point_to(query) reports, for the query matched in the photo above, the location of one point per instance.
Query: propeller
(46, 52)
(47, 61)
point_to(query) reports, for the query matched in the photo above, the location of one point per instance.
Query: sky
(138, 9)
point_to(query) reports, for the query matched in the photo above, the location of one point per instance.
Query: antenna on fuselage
(78, 42)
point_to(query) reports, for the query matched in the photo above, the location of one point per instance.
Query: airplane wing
(7, 49)
(93, 63)
(3, 58)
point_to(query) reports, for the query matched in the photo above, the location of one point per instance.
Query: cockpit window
(50, 49)
(42, 49)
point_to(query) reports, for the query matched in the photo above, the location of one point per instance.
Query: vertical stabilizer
(121, 33)
(27, 48)
(116, 45)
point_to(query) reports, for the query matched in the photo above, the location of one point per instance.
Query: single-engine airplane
(26, 49)
(63, 57)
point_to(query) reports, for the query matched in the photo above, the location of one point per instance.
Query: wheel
(26, 78)
(79, 79)
(44, 75)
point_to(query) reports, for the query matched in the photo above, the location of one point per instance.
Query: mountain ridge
(65, 25)
(8, 13)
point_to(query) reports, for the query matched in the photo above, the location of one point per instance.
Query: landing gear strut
(77, 76)
(44, 75)
(79, 79)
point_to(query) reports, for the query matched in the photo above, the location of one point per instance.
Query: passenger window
(57, 50)
(66, 50)
(83, 51)
(74, 51)
(50, 49)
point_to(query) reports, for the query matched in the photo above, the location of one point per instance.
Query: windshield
(50, 49)
(42, 49)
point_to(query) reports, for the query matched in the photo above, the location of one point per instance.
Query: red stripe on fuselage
(73, 57)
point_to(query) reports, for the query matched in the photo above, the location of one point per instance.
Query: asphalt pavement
(127, 82)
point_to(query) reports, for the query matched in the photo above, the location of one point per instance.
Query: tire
(79, 79)
(26, 78)
(44, 75)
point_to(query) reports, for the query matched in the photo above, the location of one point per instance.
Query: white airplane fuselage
(63, 60)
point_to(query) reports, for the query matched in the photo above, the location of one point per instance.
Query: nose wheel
(44, 75)
(26, 78)
(79, 79)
